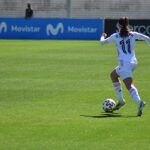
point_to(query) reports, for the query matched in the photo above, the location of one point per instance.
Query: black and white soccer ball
(108, 105)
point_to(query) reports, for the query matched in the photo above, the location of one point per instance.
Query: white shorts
(124, 70)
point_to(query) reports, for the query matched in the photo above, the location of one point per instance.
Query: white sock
(118, 90)
(135, 95)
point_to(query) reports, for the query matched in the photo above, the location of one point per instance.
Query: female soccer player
(125, 40)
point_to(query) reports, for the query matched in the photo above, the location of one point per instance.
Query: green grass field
(51, 94)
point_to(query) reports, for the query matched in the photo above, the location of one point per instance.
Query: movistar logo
(51, 30)
(3, 27)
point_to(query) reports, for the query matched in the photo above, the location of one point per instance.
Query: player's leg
(117, 86)
(132, 89)
(134, 93)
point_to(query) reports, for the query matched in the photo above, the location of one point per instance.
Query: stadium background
(136, 9)
(80, 19)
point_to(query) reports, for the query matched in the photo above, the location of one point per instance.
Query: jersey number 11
(125, 44)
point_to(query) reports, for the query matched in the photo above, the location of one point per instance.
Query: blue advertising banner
(46, 28)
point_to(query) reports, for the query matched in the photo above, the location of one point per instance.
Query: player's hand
(104, 35)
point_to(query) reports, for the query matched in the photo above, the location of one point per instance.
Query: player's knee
(128, 87)
(112, 76)
(128, 83)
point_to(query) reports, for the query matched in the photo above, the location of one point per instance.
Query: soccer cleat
(119, 105)
(142, 104)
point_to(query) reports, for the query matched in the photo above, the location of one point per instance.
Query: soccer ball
(108, 105)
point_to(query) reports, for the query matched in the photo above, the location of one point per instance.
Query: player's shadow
(108, 115)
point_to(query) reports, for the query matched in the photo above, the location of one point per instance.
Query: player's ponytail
(123, 25)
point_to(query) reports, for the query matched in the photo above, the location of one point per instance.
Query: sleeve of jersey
(107, 40)
(141, 36)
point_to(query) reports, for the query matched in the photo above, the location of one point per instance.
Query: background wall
(139, 9)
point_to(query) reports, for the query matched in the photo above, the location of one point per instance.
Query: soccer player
(125, 40)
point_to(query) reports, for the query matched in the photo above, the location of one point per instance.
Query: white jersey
(125, 45)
